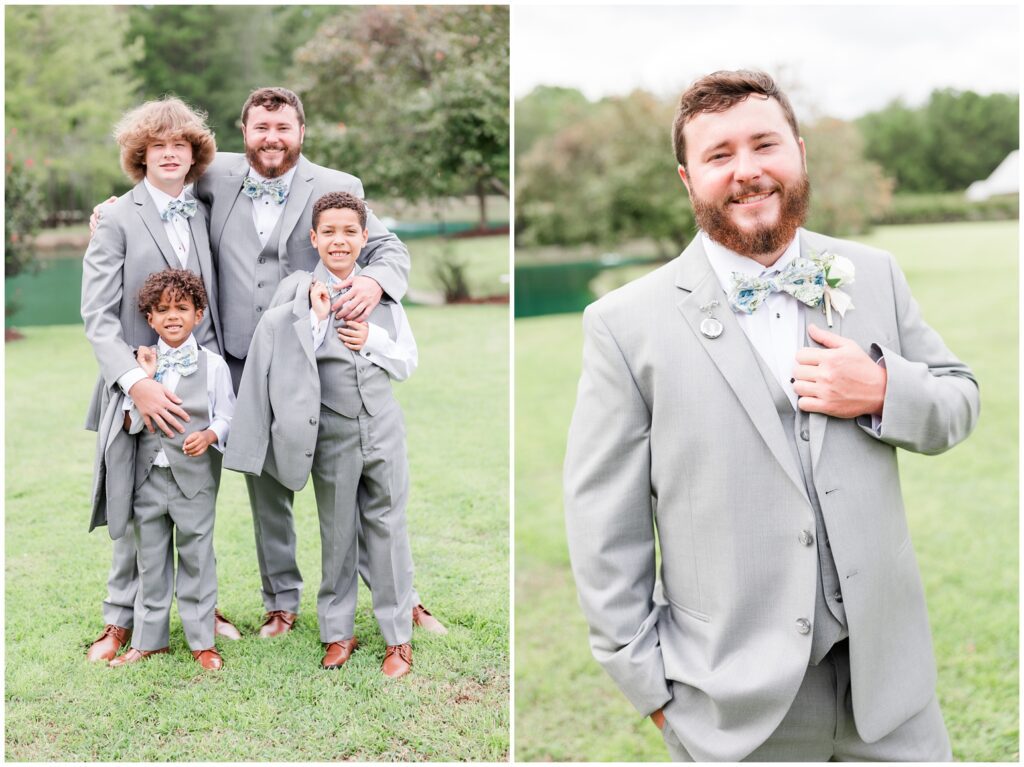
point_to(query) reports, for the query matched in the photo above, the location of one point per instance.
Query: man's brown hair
(272, 99)
(180, 283)
(333, 200)
(166, 118)
(718, 92)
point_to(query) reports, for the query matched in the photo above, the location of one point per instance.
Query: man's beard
(765, 239)
(291, 156)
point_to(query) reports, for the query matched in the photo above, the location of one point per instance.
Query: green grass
(962, 508)
(271, 702)
(485, 260)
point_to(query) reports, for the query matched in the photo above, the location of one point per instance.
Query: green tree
(23, 209)
(69, 77)
(544, 111)
(412, 98)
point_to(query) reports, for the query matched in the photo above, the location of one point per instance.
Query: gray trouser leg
(271, 504)
(364, 564)
(196, 583)
(337, 465)
(122, 583)
(383, 494)
(153, 537)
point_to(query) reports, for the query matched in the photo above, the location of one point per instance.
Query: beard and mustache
(764, 239)
(291, 156)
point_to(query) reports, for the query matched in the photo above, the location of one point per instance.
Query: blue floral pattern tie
(185, 360)
(275, 188)
(183, 208)
(803, 279)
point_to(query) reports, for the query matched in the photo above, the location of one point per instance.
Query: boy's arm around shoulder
(398, 356)
(250, 425)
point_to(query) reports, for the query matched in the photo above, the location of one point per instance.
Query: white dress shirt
(218, 387)
(776, 330)
(266, 212)
(398, 356)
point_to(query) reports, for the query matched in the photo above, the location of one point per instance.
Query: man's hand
(659, 719)
(358, 302)
(146, 357)
(158, 406)
(94, 219)
(319, 299)
(354, 334)
(839, 380)
(197, 442)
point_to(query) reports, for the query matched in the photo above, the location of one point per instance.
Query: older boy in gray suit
(313, 400)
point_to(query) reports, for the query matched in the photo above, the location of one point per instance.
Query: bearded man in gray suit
(745, 402)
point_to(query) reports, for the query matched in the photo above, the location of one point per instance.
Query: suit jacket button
(806, 538)
(261, 260)
(805, 435)
(803, 626)
(309, 454)
(312, 422)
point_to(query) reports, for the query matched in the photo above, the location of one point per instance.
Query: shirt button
(805, 435)
(803, 626)
(806, 538)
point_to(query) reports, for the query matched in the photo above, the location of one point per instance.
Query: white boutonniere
(838, 271)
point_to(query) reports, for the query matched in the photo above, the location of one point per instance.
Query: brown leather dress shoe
(111, 640)
(421, 617)
(397, 660)
(222, 627)
(209, 659)
(133, 656)
(276, 623)
(337, 653)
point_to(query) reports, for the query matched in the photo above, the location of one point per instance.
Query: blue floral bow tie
(184, 208)
(803, 279)
(185, 360)
(276, 188)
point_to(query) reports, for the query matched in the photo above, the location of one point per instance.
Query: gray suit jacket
(677, 433)
(384, 258)
(130, 243)
(113, 470)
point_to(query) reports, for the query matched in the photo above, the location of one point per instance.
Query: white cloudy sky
(835, 60)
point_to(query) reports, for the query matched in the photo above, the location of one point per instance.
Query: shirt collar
(163, 348)
(724, 261)
(160, 198)
(322, 273)
(286, 178)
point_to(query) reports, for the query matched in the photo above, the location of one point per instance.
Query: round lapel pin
(710, 327)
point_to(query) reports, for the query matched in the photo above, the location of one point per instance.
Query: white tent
(1005, 179)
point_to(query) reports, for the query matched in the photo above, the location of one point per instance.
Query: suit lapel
(732, 353)
(151, 218)
(298, 195)
(818, 422)
(300, 311)
(229, 190)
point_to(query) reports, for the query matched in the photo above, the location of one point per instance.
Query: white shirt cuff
(129, 379)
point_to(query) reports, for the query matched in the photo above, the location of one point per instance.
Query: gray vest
(829, 625)
(348, 381)
(248, 274)
(192, 473)
(204, 332)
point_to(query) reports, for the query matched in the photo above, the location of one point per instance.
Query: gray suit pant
(162, 513)
(819, 726)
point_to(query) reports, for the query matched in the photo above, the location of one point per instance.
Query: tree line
(412, 99)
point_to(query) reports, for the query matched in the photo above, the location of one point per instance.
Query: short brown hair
(720, 91)
(168, 117)
(181, 283)
(273, 98)
(333, 200)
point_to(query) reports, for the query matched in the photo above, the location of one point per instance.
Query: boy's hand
(158, 405)
(146, 357)
(319, 299)
(360, 300)
(94, 219)
(197, 442)
(354, 334)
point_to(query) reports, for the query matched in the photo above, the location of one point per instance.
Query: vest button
(259, 284)
(805, 435)
(838, 596)
(309, 454)
(806, 538)
(312, 422)
(803, 626)
(259, 309)
(261, 260)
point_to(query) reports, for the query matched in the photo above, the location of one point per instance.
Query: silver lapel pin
(710, 327)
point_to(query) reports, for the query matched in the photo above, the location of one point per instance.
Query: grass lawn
(962, 508)
(271, 702)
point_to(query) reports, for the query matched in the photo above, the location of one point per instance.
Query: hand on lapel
(839, 380)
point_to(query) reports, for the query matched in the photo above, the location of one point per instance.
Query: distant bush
(946, 207)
